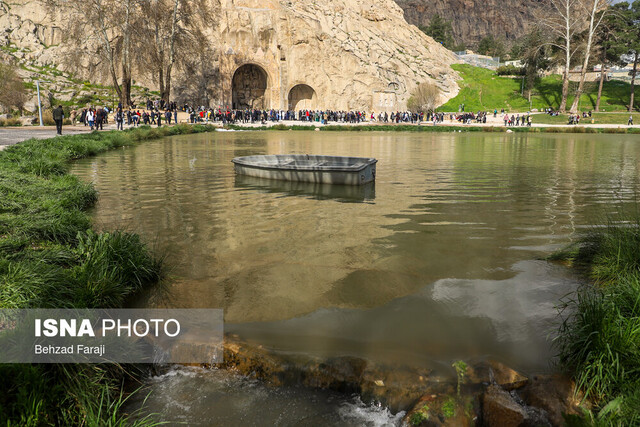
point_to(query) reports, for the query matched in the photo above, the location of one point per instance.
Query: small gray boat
(307, 168)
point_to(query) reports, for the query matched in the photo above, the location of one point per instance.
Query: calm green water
(438, 261)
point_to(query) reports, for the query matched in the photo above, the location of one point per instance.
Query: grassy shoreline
(440, 128)
(599, 342)
(51, 258)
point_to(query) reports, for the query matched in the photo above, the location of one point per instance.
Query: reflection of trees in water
(249, 87)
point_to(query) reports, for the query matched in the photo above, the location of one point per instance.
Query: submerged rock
(395, 387)
(556, 394)
(499, 409)
(490, 393)
(491, 371)
(444, 408)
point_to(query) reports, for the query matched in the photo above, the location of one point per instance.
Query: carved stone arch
(250, 87)
(301, 96)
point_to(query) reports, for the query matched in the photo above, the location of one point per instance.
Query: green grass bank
(484, 90)
(51, 258)
(599, 342)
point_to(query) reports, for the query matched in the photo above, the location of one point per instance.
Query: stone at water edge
(429, 408)
(492, 371)
(499, 409)
(556, 394)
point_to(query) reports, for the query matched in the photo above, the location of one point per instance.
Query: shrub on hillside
(10, 122)
(510, 70)
(424, 98)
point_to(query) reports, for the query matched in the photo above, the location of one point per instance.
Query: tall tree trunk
(576, 100)
(567, 60)
(565, 90)
(106, 42)
(161, 81)
(172, 51)
(633, 81)
(593, 26)
(160, 63)
(166, 93)
(567, 64)
(603, 75)
(125, 96)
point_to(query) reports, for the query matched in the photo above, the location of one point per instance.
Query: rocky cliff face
(344, 54)
(26, 30)
(473, 20)
(354, 54)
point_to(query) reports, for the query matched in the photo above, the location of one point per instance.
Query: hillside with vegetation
(483, 90)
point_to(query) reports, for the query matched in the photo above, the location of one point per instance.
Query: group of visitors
(93, 117)
(517, 120)
(159, 111)
(467, 118)
(153, 117)
(210, 115)
(159, 105)
(574, 119)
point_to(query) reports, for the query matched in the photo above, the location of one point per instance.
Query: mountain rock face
(343, 54)
(472, 20)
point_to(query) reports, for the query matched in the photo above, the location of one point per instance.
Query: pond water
(439, 260)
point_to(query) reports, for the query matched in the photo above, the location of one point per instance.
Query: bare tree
(127, 26)
(103, 32)
(424, 98)
(12, 91)
(562, 22)
(174, 36)
(200, 80)
(89, 26)
(596, 11)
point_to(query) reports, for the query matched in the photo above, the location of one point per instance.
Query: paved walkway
(13, 135)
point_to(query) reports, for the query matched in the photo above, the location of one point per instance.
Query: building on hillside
(477, 60)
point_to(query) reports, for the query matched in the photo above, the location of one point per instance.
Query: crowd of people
(211, 115)
(96, 118)
(157, 112)
(468, 118)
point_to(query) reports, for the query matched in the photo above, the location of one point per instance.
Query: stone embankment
(482, 392)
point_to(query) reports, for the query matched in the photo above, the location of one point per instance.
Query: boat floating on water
(309, 168)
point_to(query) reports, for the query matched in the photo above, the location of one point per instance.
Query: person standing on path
(99, 118)
(119, 119)
(58, 116)
(630, 122)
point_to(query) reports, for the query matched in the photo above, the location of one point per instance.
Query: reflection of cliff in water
(341, 193)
